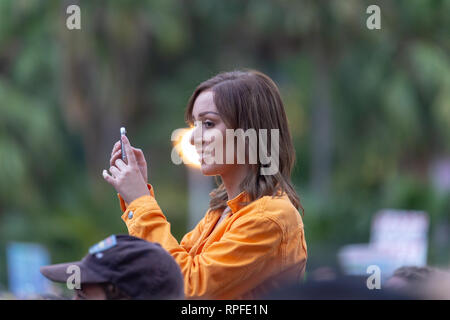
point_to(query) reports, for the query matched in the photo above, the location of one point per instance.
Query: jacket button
(130, 214)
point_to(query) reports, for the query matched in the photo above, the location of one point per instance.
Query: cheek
(230, 152)
(214, 139)
(213, 134)
(95, 293)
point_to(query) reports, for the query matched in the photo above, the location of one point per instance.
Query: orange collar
(238, 202)
(242, 199)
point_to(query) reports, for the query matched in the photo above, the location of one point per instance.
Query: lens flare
(186, 150)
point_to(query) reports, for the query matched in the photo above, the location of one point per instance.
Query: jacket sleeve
(235, 264)
(188, 240)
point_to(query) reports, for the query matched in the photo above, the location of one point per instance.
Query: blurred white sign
(398, 238)
(24, 261)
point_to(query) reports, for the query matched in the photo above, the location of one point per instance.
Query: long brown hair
(250, 99)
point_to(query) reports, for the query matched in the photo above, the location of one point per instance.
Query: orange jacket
(251, 252)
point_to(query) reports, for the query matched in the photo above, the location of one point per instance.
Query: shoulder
(281, 210)
(272, 212)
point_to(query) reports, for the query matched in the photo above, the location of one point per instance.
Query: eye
(209, 124)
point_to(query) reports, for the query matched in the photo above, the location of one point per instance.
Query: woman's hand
(127, 178)
(138, 154)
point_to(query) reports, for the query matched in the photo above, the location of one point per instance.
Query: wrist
(130, 198)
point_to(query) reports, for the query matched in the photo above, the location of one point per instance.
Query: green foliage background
(382, 97)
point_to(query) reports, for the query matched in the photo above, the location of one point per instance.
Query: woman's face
(90, 291)
(209, 127)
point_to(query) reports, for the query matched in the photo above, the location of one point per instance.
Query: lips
(203, 152)
(204, 155)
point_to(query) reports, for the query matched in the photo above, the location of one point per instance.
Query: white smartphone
(123, 132)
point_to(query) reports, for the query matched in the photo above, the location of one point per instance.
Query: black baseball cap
(140, 269)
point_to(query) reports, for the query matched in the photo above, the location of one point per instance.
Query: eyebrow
(201, 114)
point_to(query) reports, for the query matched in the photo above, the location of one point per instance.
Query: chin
(211, 169)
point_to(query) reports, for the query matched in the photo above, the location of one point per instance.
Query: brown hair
(413, 273)
(250, 99)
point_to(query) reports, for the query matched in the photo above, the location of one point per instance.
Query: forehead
(204, 103)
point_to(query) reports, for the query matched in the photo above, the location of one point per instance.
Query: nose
(195, 134)
(195, 137)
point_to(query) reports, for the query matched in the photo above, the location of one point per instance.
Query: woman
(251, 239)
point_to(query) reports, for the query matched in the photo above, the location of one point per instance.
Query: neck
(233, 179)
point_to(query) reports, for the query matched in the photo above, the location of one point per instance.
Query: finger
(115, 172)
(116, 147)
(108, 178)
(120, 164)
(137, 151)
(114, 158)
(129, 151)
(139, 155)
